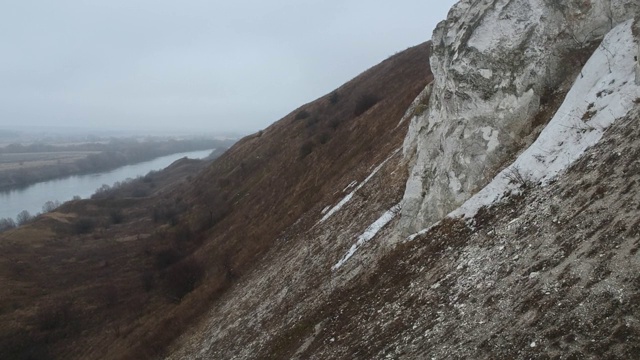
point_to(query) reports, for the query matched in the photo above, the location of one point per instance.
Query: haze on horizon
(191, 65)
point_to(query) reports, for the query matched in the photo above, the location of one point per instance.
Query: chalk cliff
(498, 66)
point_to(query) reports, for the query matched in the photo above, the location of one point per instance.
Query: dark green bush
(83, 225)
(323, 138)
(148, 281)
(334, 97)
(55, 316)
(302, 114)
(306, 149)
(167, 257)
(312, 122)
(166, 213)
(139, 192)
(116, 216)
(364, 103)
(182, 278)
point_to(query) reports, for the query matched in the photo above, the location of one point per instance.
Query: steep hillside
(77, 280)
(127, 273)
(488, 210)
(549, 273)
(268, 181)
(516, 236)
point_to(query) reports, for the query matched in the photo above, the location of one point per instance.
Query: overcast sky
(191, 64)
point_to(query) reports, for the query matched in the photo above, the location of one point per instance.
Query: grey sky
(192, 64)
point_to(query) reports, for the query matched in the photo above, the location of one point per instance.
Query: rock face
(636, 32)
(496, 64)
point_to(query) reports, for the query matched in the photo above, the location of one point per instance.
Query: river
(32, 198)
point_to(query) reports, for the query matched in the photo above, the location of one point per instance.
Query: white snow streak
(422, 232)
(348, 197)
(604, 92)
(369, 234)
(352, 184)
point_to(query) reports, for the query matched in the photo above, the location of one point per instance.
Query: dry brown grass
(119, 296)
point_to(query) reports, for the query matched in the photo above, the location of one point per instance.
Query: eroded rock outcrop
(496, 64)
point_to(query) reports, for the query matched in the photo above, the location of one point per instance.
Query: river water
(32, 198)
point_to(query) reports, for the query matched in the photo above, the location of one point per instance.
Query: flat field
(40, 159)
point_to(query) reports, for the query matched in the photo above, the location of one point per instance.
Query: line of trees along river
(18, 205)
(104, 156)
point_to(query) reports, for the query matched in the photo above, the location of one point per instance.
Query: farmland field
(40, 159)
(25, 164)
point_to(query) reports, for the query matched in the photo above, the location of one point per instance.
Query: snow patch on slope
(422, 232)
(349, 196)
(605, 91)
(369, 234)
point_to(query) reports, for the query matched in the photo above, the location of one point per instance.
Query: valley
(22, 165)
(471, 197)
(31, 198)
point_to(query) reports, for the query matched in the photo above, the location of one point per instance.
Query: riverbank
(21, 166)
(57, 191)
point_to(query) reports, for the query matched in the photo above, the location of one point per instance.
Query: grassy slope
(99, 279)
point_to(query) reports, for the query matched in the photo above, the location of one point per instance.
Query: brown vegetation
(124, 274)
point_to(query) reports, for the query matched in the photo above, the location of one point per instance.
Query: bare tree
(23, 217)
(49, 206)
(7, 224)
